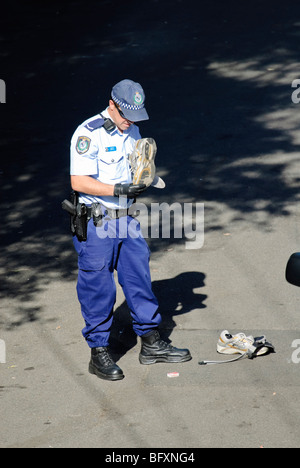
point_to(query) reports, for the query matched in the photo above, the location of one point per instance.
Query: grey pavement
(49, 400)
(237, 152)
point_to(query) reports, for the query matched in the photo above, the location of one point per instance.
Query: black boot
(154, 350)
(103, 366)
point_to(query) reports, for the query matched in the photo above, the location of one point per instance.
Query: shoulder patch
(94, 124)
(83, 145)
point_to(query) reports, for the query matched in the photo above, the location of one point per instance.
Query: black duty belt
(107, 212)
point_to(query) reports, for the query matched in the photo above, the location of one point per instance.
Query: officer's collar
(116, 130)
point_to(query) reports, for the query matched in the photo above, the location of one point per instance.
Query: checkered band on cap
(125, 105)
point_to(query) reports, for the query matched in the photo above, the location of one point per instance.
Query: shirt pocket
(111, 168)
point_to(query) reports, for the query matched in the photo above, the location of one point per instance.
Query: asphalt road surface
(218, 79)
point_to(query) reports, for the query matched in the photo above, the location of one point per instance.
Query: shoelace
(107, 359)
(207, 363)
(165, 345)
(241, 337)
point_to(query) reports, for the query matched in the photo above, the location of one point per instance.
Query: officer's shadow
(176, 296)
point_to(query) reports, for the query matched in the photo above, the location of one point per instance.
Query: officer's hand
(129, 190)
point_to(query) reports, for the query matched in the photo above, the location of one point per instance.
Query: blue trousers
(116, 245)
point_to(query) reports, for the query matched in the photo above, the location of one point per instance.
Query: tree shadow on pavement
(218, 90)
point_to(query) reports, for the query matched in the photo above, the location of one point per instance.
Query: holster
(81, 222)
(78, 216)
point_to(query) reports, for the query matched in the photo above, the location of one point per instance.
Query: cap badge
(138, 98)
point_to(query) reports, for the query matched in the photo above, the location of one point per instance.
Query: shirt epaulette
(98, 123)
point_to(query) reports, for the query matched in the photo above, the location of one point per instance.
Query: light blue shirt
(103, 156)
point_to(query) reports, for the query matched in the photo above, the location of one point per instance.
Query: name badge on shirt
(109, 149)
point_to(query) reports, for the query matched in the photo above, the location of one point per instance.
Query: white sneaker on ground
(245, 346)
(237, 344)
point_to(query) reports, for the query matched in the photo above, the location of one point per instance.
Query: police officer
(101, 175)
